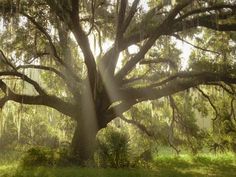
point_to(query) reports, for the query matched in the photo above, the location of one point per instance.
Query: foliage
(9, 157)
(55, 53)
(43, 156)
(113, 149)
(39, 156)
(220, 165)
(21, 131)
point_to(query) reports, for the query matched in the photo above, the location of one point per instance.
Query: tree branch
(43, 31)
(205, 20)
(184, 127)
(46, 100)
(170, 62)
(160, 30)
(207, 9)
(109, 60)
(75, 7)
(173, 84)
(53, 48)
(197, 47)
(6, 61)
(120, 20)
(24, 78)
(41, 67)
(209, 100)
(171, 128)
(71, 86)
(130, 16)
(229, 91)
(208, 21)
(138, 125)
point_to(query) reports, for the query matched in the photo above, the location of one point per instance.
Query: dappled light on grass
(81, 172)
(219, 165)
(199, 165)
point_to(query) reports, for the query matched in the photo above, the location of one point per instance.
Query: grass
(220, 165)
(203, 165)
(80, 172)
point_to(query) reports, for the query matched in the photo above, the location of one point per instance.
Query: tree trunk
(89, 121)
(84, 139)
(83, 143)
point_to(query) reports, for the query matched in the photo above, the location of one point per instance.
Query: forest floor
(163, 166)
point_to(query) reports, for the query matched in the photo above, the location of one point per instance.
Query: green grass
(220, 165)
(203, 165)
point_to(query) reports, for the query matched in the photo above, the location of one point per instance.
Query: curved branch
(53, 48)
(207, 21)
(41, 67)
(195, 46)
(83, 42)
(229, 91)
(171, 128)
(160, 30)
(185, 128)
(5, 60)
(116, 111)
(43, 31)
(130, 15)
(207, 9)
(174, 84)
(120, 20)
(46, 100)
(170, 62)
(71, 86)
(178, 83)
(24, 78)
(138, 125)
(209, 100)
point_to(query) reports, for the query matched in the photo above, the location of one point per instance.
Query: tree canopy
(96, 59)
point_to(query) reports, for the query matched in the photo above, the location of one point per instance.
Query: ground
(205, 165)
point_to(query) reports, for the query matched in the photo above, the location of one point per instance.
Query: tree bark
(83, 143)
(84, 139)
(91, 118)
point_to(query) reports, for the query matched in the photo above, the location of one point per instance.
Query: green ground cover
(222, 165)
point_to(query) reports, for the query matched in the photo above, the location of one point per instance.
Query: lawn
(223, 165)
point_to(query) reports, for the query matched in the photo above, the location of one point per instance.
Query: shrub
(65, 157)
(113, 149)
(39, 156)
(42, 156)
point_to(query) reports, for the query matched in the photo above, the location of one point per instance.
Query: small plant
(39, 156)
(113, 149)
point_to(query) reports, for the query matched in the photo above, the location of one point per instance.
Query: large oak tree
(57, 36)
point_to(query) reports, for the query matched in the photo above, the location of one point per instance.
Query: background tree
(56, 37)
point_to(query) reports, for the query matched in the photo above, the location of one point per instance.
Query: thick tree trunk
(84, 139)
(91, 118)
(83, 143)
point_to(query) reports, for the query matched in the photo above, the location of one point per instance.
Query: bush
(113, 149)
(38, 156)
(42, 156)
(65, 157)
